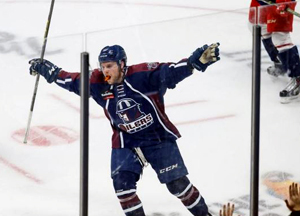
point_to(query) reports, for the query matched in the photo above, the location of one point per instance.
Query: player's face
(112, 72)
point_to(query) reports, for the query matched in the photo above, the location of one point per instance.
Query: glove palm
(204, 56)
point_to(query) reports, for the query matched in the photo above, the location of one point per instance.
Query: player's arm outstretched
(53, 73)
(167, 75)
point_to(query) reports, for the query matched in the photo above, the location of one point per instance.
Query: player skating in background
(133, 101)
(276, 26)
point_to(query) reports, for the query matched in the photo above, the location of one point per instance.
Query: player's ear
(122, 65)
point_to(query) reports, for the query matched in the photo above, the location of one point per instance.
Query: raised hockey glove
(44, 68)
(204, 56)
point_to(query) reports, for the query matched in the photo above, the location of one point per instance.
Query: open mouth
(107, 78)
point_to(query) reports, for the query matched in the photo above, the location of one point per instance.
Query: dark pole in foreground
(255, 124)
(84, 134)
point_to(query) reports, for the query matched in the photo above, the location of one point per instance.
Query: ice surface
(212, 110)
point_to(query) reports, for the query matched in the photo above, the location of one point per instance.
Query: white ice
(215, 128)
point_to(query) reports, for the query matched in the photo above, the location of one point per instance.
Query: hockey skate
(276, 70)
(291, 91)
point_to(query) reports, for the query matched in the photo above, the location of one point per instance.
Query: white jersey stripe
(178, 65)
(64, 81)
(122, 139)
(106, 107)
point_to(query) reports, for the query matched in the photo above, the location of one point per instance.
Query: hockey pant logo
(169, 168)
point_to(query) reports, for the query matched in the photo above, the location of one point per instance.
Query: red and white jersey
(264, 14)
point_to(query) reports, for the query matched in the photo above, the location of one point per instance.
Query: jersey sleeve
(71, 81)
(163, 75)
(170, 74)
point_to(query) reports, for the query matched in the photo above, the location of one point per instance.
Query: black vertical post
(84, 133)
(255, 124)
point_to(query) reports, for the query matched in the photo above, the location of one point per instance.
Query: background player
(276, 25)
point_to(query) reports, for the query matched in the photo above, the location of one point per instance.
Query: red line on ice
(72, 106)
(20, 170)
(186, 103)
(204, 120)
(56, 97)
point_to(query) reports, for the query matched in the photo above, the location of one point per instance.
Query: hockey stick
(38, 76)
(288, 9)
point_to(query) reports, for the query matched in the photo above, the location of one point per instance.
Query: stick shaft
(38, 76)
(293, 12)
(288, 9)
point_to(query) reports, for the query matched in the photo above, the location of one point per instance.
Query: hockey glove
(44, 68)
(204, 56)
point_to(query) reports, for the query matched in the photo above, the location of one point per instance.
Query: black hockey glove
(44, 68)
(204, 56)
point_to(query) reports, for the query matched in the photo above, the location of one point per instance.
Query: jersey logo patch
(107, 95)
(152, 65)
(133, 118)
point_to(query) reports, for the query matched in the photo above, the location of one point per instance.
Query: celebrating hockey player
(133, 100)
(276, 25)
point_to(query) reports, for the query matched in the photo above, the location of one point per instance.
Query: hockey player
(276, 25)
(133, 101)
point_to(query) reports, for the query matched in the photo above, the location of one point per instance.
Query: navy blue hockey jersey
(135, 107)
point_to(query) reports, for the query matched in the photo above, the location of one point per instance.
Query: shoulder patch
(152, 65)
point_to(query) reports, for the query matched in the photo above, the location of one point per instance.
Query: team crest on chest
(133, 118)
